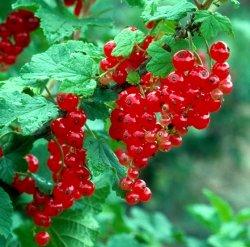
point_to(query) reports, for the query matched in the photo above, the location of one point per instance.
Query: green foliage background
(217, 159)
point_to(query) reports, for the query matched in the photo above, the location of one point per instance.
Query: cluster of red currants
(117, 68)
(78, 4)
(15, 35)
(155, 116)
(67, 162)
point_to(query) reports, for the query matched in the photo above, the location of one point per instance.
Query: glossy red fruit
(108, 48)
(67, 101)
(22, 39)
(220, 52)
(1, 153)
(42, 238)
(69, 2)
(145, 195)
(33, 163)
(183, 60)
(151, 25)
(132, 198)
(133, 173)
(76, 119)
(75, 139)
(42, 219)
(126, 183)
(78, 7)
(222, 70)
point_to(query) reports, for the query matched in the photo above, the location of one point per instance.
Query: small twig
(198, 4)
(90, 130)
(207, 4)
(49, 94)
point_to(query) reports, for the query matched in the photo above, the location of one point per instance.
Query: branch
(207, 4)
(198, 4)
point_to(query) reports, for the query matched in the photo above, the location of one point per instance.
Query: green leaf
(126, 40)
(205, 214)
(123, 240)
(6, 211)
(223, 209)
(243, 216)
(97, 107)
(57, 23)
(43, 177)
(153, 227)
(24, 113)
(13, 160)
(173, 12)
(101, 158)
(213, 23)
(65, 63)
(160, 63)
(133, 78)
(236, 3)
(139, 3)
(72, 228)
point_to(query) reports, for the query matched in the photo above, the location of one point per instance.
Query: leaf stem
(49, 94)
(90, 130)
(207, 4)
(198, 4)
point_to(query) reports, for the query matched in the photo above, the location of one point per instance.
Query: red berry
(69, 2)
(151, 25)
(133, 173)
(220, 52)
(183, 60)
(108, 48)
(22, 39)
(145, 195)
(67, 101)
(41, 219)
(132, 198)
(42, 238)
(33, 163)
(126, 183)
(222, 70)
(1, 153)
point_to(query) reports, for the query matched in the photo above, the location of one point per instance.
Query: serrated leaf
(65, 63)
(13, 158)
(223, 209)
(72, 228)
(133, 78)
(6, 211)
(101, 158)
(43, 176)
(126, 40)
(95, 110)
(124, 240)
(27, 114)
(139, 3)
(174, 12)
(57, 23)
(213, 23)
(160, 63)
(205, 214)
(97, 107)
(243, 216)
(155, 227)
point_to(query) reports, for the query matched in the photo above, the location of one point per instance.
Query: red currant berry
(33, 163)
(133, 173)
(183, 60)
(220, 52)
(145, 195)
(69, 2)
(42, 238)
(67, 101)
(126, 183)
(108, 48)
(222, 70)
(132, 198)
(41, 219)
(22, 39)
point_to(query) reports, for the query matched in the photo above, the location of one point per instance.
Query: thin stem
(49, 94)
(198, 4)
(210, 60)
(207, 4)
(90, 130)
